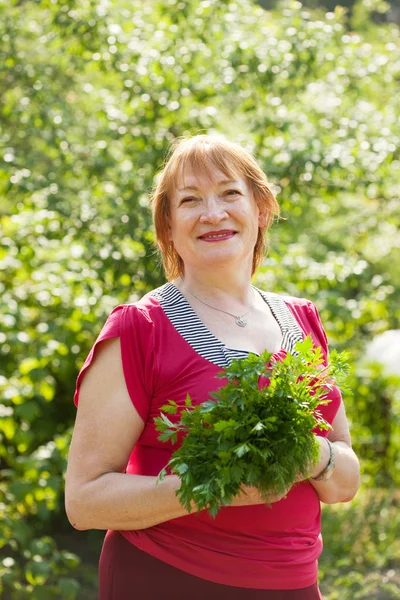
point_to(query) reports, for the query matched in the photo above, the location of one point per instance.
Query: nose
(213, 211)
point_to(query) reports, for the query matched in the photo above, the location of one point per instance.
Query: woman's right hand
(251, 495)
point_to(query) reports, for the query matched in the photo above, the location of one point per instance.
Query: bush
(90, 96)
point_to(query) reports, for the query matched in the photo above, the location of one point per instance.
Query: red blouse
(274, 547)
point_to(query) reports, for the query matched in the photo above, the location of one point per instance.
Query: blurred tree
(90, 96)
(375, 10)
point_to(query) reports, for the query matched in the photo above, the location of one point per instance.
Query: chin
(220, 260)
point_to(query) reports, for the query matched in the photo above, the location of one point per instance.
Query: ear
(169, 231)
(262, 219)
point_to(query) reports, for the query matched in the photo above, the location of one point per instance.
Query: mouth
(215, 236)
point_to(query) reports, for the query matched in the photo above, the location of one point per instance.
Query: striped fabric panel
(188, 324)
(196, 334)
(291, 330)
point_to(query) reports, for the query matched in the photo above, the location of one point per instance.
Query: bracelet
(327, 472)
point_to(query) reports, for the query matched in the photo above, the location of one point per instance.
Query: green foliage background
(91, 93)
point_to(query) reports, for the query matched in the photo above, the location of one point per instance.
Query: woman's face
(214, 222)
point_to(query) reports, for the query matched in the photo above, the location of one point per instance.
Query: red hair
(205, 153)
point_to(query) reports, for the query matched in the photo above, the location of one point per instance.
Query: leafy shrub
(90, 96)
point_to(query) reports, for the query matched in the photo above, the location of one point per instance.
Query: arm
(98, 494)
(342, 486)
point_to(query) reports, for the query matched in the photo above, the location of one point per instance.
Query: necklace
(238, 319)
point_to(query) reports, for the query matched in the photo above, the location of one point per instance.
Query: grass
(361, 557)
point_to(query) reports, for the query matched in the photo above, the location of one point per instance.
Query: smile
(212, 237)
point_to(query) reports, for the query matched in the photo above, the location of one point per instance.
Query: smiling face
(213, 222)
(212, 157)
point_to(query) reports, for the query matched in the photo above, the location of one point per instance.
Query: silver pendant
(241, 322)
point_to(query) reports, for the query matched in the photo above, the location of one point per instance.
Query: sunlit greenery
(91, 93)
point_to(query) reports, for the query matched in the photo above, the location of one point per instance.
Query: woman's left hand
(344, 481)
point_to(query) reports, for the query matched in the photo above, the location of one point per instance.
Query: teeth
(217, 236)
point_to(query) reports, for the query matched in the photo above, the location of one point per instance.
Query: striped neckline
(189, 325)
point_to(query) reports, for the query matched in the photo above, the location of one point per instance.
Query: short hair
(201, 153)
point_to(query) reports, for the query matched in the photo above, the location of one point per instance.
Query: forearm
(121, 501)
(342, 486)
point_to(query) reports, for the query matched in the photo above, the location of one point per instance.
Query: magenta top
(168, 353)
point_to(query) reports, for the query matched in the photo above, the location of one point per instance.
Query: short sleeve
(306, 315)
(135, 331)
(317, 328)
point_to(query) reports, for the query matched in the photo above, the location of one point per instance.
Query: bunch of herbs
(256, 430)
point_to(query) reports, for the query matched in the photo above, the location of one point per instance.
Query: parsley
(256, 430)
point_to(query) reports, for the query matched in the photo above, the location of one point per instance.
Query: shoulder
(296, 302)
(303, 308)
(147, 309)
(300, 304)
(306, 314)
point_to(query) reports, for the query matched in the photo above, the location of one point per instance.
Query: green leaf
(258, 427)
(162, 474)
(181, 469)
(207, 406)
(165, 420)
(223, 425)
(242, 450)
(168, 435)
(171, 408)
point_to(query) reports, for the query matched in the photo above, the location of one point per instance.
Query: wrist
(323, 473)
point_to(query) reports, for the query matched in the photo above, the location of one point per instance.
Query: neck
(219, 287)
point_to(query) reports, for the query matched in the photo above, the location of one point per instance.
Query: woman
(212, 206)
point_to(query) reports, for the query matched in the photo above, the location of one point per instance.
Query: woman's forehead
(189, 178)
